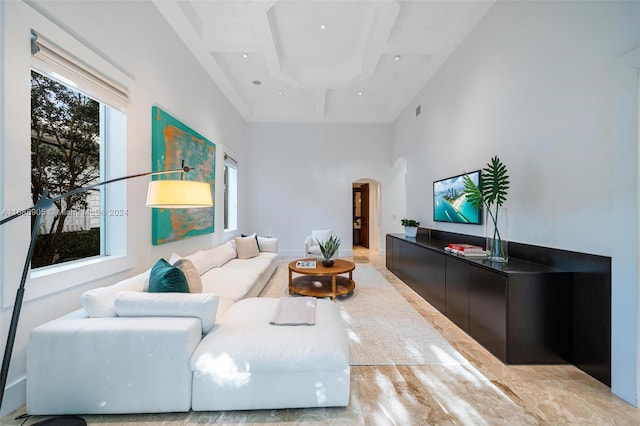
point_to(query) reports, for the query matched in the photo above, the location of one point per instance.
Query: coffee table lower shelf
(320, 286)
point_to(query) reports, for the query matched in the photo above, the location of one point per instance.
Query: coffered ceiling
(320, 60)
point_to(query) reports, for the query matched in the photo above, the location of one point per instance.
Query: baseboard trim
(15, 396)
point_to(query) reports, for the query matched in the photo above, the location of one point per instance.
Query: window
(65, 155)
(230, 194)
(73, 124)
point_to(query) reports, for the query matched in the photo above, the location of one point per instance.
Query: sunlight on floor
(389, 403)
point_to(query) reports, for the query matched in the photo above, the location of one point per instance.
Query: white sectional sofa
(130, 351)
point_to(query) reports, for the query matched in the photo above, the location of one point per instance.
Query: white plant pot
(411, 231)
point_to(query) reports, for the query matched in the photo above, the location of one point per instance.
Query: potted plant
(410, 227)
(329, 249)
(494, 183)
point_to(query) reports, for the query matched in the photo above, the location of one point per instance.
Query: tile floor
(490, 393)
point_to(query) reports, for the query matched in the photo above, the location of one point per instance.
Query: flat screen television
(450, 204)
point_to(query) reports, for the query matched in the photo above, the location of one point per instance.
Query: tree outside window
(65, 155)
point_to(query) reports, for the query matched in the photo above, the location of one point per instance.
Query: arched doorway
(366, 214)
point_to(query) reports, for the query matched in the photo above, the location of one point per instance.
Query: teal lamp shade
(170, 194)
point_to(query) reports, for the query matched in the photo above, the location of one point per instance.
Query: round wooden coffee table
(322, 281)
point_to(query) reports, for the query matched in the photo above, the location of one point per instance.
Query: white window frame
(15, 236)
(231, 195)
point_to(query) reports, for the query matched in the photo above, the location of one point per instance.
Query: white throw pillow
(98, 302)
(174, 258)
(268, 244)
(247, 247)
(191, 273)
(222, 254)
(320, 235)
(202, 261)
(143, 304)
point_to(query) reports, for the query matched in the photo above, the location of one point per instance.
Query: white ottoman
(245, 363)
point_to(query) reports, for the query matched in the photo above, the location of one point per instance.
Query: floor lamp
(165, 193)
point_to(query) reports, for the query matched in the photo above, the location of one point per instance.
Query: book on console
(478, 255)
(465, 250)
(469, 248)
(464, 247)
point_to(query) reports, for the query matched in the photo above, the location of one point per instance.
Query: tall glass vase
(496, 234)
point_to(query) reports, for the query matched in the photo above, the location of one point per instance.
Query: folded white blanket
(295, 311)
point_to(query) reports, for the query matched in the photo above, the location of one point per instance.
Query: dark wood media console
(526, 311)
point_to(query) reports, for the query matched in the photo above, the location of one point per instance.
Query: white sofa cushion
(245, 363)
(265, 347)
(237, 279)
(202, 261)
(111, 365)
(247, 247)
(141, 304)
(221, 254)
(230, 282)
(98, 302)
(255, 264)
(268, 244)
(214, 257)
(191, 273)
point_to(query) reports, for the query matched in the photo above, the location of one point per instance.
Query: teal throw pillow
(165, 278)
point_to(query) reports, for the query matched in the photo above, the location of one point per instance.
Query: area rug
(382, 327)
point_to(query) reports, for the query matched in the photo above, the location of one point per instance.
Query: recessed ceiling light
(257, 82)
(244, 55)
(397, 57)
(323, 27)
(279, 92)
(360, 93)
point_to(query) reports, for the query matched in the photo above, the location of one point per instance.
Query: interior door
(364, 213)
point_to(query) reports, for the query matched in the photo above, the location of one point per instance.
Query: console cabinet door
(488, 310)
(540, 318)
(410, 255)
(404, 263)
(429, 281)
(458, 276)
(389, 259)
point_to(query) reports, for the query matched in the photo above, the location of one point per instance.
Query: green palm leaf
(495, 182)
(472, 192)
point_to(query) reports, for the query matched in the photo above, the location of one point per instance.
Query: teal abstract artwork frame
(171, 143)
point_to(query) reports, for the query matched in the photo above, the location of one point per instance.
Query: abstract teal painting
(173, 142)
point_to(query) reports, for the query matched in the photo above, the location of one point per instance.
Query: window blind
(56, 63)
(229, 159)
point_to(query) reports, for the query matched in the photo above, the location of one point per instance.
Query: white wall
(624, 262)
(134, 38)
(394, 207)
(299, 178)
(532, 84)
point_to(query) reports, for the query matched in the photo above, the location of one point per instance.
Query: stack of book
(466, 250)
